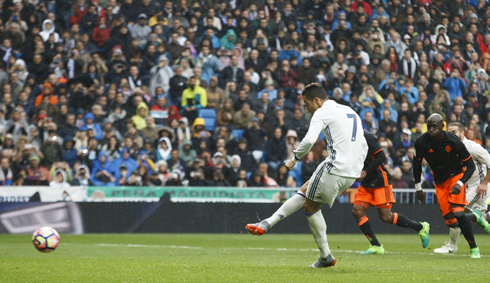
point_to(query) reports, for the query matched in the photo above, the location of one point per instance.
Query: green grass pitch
(236, 258)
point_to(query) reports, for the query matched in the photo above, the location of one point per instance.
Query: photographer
(64, 167)
(52, 150)
(82, 177)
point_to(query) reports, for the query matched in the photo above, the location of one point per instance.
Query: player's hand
(290, 165)
(420, 195)
(456, 190)
(481, 190)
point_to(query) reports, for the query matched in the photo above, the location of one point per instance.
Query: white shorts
(475, 202)
(325, 187)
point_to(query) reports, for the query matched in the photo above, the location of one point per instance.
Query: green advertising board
(188, 194)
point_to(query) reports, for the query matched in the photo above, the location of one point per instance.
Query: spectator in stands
(276, 150)
(6, 173)
(194, 98)
(101, 61)
(161, 75)
(214, 93)
(225, 114)
(243, 117)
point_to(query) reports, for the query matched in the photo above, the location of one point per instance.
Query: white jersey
(347, 148)
(481, 158)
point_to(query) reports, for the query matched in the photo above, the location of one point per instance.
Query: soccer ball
(45, 239)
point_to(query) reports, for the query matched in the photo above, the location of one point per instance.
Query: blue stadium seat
(237, 133)
(207, 113)
(209, 116)
(210, 124)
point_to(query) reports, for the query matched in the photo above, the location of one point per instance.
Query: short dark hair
(314, 90)
(457, 124)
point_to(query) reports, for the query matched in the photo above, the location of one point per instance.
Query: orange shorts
(444, 197)
(379, 197)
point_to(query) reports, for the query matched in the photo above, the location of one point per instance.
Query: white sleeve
(316, 126)
(481, 155)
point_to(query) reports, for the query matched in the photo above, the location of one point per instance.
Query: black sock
(366, 229)
(402, 221)
(471, 217)
(467, 230)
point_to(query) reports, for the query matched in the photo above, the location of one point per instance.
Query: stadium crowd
(208, 93)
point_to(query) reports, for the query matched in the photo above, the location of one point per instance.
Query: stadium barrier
(178, 194)
(181, 210)
(192, 217)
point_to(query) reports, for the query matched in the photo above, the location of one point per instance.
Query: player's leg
(359, 213)
(457, 203)
(318, 228)
(452, 244)
(465, 226)
(362, 200)
(324, 188)
(423, 228)
(289, 207)
(475, 206)
(443, 200)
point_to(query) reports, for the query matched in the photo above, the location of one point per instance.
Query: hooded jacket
(163, 154)
(70, 155)
(59, 185)
(46, 32)
(101, 35)
(197, 122)
(52, 98)
(227, 44)
(137, 119)
(291, 146)
(83, 181)
(96, 127)
(130, 164)
(98, 168)
(187, 155)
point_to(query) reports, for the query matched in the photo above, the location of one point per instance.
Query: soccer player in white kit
(477, 187)
(347, 148)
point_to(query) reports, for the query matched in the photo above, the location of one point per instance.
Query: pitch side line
(256, 249)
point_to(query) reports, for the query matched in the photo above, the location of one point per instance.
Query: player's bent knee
(386, 217)
(458, 214)
(311, 207)
(451, 222)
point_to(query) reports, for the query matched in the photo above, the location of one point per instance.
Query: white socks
(318, 228)
(454, 236)
(289, 207)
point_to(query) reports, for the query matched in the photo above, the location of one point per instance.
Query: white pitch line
(259, 249)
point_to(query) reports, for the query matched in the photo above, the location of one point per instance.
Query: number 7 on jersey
(354, 127)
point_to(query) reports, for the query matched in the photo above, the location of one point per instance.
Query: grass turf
(235, 258)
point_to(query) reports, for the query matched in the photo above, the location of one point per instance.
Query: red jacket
(100, 36)
(76, 14)
(367, 7)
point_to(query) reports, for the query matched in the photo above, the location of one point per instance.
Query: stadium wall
(168, 217)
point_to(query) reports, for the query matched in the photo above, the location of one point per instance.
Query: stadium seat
(210, 124)
(237, 133)
(209, 116)
(207, 113)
